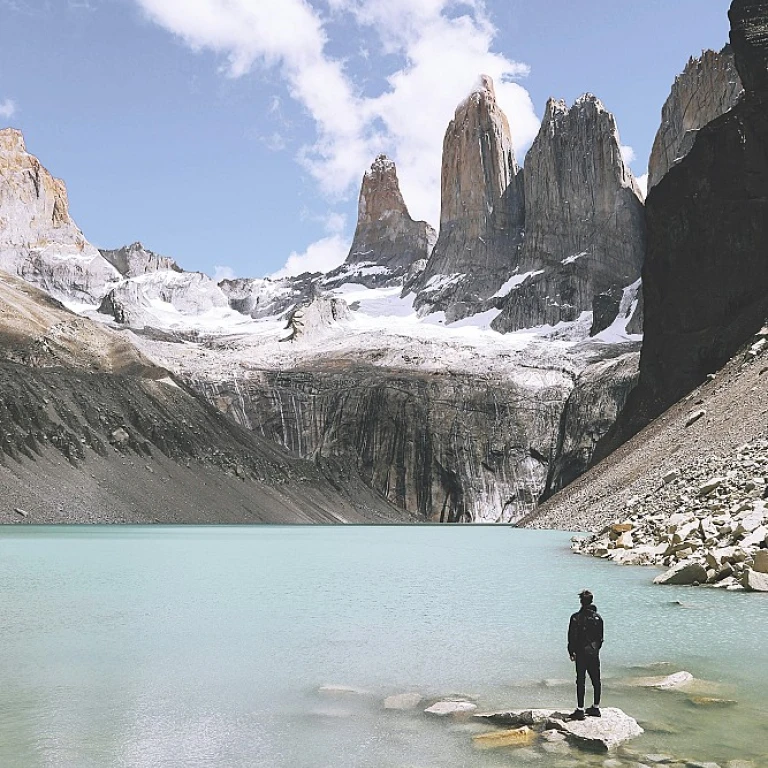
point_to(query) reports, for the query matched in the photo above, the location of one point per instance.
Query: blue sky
(233, 134)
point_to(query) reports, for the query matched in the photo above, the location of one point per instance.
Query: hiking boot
(577, 715)
(594, 711)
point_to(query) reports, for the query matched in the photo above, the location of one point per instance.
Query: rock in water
(134, 260)
(584, 218)
(516, 737)
(482, 210)
(707, 88)
(446, 708)
(600, 733)
(705, 279)
(683, 573)
(38, 240)
(387, 240)
(403, 701)
(754, 581)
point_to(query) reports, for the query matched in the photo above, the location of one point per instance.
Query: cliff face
(584, 218)
(447, 448)
(387, 240)
(134, 260)
(38, 239)
(597, 398)
(707, 88)
(482, 211)
(705, 278)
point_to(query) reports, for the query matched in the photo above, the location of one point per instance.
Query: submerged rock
(403, 701)
(516, 737)
(447, 708)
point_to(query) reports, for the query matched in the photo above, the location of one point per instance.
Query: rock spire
(584, 218)
(387, 242)
(482, 209)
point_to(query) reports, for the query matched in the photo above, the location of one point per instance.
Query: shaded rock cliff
(38, 239)
(482, 211)
(584, 218)
(446, 447)
(705, 279)
(707, 88)
(598, 396)
(387, 240)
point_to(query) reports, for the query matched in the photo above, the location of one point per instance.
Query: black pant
(587, 665)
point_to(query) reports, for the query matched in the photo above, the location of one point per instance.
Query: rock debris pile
(716, 533)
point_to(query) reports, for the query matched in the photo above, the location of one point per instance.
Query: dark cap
(585, 596)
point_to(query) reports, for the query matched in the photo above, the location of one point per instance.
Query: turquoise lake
(206, 646)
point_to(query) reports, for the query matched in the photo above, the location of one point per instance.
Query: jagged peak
(12, 140)
(382, 164)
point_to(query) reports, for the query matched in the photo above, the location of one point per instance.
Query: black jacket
(585, 632)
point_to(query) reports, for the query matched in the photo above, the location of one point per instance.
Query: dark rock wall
(448, 448)
(705, 279)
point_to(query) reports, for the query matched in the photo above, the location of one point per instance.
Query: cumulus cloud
(223, 273)
(7, 109)
(321, 256)
(440, 48)
(628, 153)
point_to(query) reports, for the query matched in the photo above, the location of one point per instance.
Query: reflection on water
(207, 646)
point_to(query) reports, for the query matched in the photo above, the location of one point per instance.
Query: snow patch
(513, 283)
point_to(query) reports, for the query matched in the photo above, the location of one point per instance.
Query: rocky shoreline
(706, 523)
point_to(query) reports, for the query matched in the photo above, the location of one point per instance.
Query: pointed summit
(707, 88)
(482, 209)
(388, 243)
(584, 218)
(386, 235)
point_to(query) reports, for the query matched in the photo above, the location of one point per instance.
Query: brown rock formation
(482, 210)
(387, 240)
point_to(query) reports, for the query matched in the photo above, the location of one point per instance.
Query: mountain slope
(91, 430)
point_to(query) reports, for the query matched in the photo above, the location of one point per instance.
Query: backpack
(589, 632)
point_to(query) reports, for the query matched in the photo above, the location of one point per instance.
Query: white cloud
(223, 273)
(442, 46)
(7, 109)
(628, 153)
(642, 182)
(321, 256)
(335, 223)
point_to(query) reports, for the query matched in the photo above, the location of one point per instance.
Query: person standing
(585, 639)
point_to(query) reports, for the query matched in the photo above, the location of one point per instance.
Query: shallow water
(206, 646)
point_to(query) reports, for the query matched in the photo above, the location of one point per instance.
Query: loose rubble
(717, 534)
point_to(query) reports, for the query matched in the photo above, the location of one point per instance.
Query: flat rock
(600, 733)
(403, 701)
(520, 716)
(516, 737)
(446, 708)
